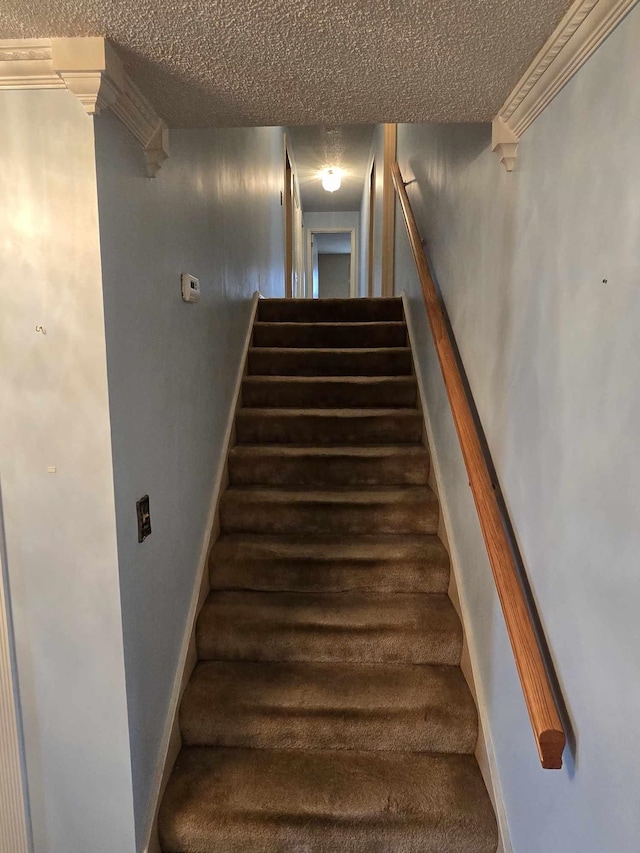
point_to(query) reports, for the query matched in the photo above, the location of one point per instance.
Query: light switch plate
(190, 287)
(144, 518)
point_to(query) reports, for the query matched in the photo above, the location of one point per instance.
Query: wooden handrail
(538, 694)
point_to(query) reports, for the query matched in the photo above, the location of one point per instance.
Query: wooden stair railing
(541, 705)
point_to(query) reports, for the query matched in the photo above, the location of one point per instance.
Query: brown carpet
(327, 712)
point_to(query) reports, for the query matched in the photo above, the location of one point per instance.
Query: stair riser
(309, 335)
(273, 729)
(329, 310)
(268, 642)
(327, 471)
(331, 835)
(340, 801)
(282, 362)
(329, 394)
(328, 706)
(309, 430)
(309, 576)
(301, 518)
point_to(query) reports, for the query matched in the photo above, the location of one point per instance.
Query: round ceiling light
(331, 180)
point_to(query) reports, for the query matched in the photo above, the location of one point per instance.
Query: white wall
(338, 219)
(214, 211)
(60, 528)
(552, 358)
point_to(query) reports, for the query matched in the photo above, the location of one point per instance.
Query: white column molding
(578, 35)
(15, 827)
(92, 71)
(504, 142)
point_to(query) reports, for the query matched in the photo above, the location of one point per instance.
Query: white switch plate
(190, 287)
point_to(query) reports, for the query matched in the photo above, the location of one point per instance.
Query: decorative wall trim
(92, 71)
(390, 144)
(14, 806)
(578, 35)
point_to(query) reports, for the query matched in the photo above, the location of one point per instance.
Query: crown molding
(578, 35)
(92, 71)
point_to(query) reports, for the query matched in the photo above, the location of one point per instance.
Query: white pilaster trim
(578, 35)
(504, 142)
(15, 825)
(92, 71)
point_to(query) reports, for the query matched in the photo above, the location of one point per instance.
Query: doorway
(331, 253)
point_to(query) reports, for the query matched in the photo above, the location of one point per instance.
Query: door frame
(371, 228)
(388, 209)
(352, 267)
(287, 203)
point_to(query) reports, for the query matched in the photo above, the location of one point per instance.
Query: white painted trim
(15, 828)
(578, 35)
(490, 772)
(353, 280)
(92, 71)
(162, 771)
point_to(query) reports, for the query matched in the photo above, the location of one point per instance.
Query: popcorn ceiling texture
(270, 62)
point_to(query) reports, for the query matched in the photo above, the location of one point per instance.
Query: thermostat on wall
(190, 287)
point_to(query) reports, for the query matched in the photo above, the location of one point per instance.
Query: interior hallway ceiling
(206, 63)
(347, 148)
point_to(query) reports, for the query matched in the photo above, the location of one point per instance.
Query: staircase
(327, 712)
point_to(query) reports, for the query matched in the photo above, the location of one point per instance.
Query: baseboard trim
(171, 743)
(485, 752)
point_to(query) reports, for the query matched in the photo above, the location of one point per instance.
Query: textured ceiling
(263, 62)
(347, 147)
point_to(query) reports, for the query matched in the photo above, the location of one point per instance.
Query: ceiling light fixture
(331, 180)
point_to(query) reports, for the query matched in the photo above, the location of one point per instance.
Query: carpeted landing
(327, 712)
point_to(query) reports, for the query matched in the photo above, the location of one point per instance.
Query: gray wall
(377, 156)
(60, 528)
(213, 211)
(552, 358)
(333, 276)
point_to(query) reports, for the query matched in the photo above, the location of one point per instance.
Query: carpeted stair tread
(345, 626)
(386, 509)
(289, 801)
(277, 464)
(275, 705)
(329, 310)
(327, 711)
(372, 334)
(290, 361)
(329, 563)
(329, 391)
(328, 426)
